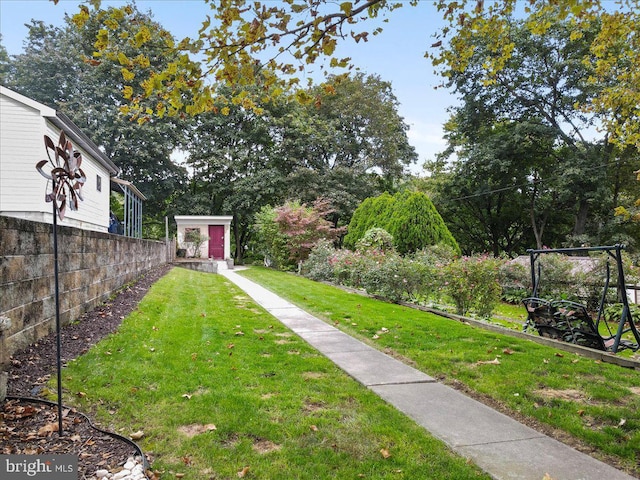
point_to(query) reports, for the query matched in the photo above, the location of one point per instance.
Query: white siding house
(23, 124)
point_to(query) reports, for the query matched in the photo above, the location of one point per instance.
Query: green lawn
(218, 385)
(595, 402)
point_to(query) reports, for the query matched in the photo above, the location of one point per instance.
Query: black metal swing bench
(570, 321)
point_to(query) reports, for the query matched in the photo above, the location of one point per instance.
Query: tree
(522, 129)
(410, 217)
(349, 145)
(295, 228)
(235, 168)
(415, 224)
(282, 38)
(4, 62)
(369, 214)
(345, 148)
(492, 197)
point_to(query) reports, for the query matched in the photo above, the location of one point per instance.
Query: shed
(214, 231)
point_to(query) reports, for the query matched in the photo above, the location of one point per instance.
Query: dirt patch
(568, 394)
(635, 390)
(311, 407)
(196, 429)
(313, 375)
(265, 446)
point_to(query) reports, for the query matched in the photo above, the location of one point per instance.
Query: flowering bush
(318, 266)
(472, 284)
(515, 280)
(385, 278)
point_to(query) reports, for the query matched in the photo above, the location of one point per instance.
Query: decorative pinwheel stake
(66, 175)
(66, 179)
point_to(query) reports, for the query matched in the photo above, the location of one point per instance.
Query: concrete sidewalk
(501, 446)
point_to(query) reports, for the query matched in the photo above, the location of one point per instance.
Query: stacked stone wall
(92, 267)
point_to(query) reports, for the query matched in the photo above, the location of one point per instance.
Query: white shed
(215, 231)
(23, 125)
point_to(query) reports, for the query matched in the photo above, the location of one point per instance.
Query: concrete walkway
(501, 446)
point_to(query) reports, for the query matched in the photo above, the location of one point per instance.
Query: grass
(217, 385)
(595, 402)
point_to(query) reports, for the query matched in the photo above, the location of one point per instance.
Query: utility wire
(540, 180)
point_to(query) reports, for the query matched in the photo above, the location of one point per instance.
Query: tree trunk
(581, 217)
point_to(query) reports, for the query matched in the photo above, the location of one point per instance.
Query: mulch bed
(31, 427)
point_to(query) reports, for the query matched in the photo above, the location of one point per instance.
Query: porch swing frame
(570, 321)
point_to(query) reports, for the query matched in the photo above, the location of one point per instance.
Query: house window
(99, 183)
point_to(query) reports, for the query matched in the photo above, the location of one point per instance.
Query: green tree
(371, 213)
(234, 168)
(4, 62)
(410, 217)
(522, 129)
(284, 37)
(415, 224)
(288, 233)
(344, 147)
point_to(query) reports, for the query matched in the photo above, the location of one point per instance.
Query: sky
(396, 55)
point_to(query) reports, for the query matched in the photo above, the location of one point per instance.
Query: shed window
(191, 235)
(98, 183)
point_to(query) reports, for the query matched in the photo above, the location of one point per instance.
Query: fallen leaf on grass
(508, 351)
(313, 428)
(385, 453)
(243, 472)
(622, 422)
(187, 396)
(137, 435)
(558, 354)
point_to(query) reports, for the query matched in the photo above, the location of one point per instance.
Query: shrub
(472, 284)
(387, 277)
(415, 224)
(318, 266)
(375, 239)
(515, 280)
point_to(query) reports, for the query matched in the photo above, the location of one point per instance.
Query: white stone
(102, 473)
(122, 474)
(129, 465)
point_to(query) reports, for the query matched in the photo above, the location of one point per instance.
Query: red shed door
(216, 242)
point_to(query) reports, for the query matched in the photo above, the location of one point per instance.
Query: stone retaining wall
(92, 266)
